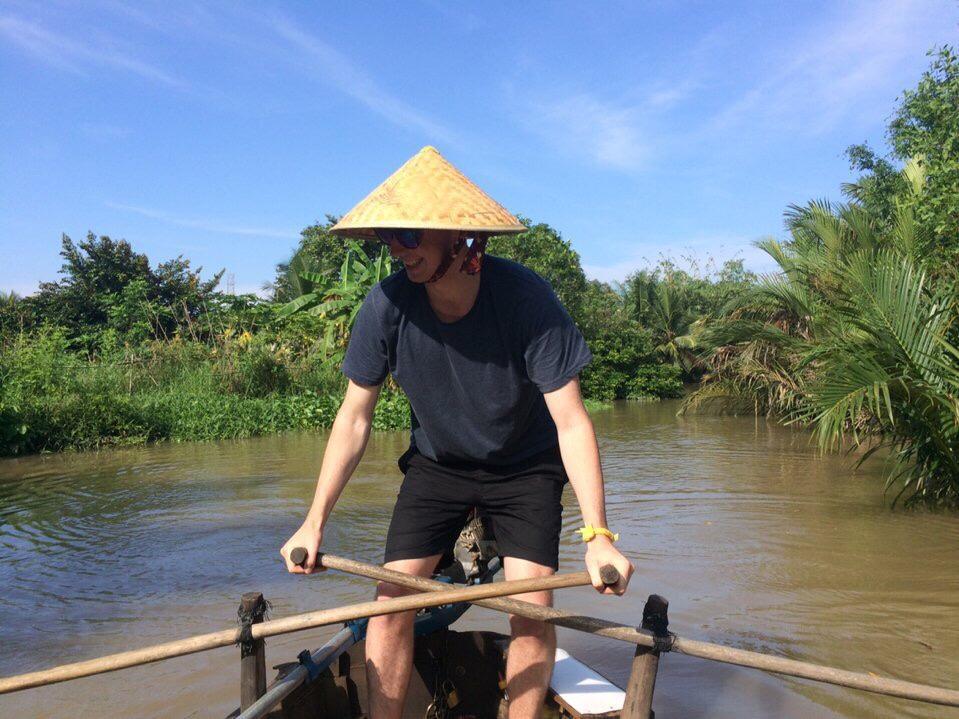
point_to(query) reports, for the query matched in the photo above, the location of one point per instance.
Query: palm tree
(663, 306)
(852, 338)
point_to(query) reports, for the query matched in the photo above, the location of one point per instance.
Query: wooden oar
(299, 555)
(690, 647)
(298, 622)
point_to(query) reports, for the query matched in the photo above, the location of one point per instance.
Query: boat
(456, 675)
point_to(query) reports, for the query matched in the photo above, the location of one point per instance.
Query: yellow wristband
(590, 533)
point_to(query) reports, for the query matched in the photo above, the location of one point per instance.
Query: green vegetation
(120, 352)
(857, 336)
(924, 127)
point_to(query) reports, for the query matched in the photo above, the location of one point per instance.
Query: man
(489, 360)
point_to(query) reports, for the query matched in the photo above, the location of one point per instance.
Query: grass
(53, 399)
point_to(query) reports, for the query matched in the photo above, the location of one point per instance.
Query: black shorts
(523, 500)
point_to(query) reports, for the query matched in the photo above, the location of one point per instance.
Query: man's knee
(526, 627)
(394, 620)
(385, 590)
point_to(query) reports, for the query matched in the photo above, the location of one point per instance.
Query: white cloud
(604, 132)
(843, 65)
(705, 254)
(456, 13)
(613, 130)
(837, 68)
(206, 225)
(65, 54)
(22, 288)
(334, 68)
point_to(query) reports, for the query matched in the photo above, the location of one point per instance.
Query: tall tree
(925, 126)
(543, 250)
(101, 274)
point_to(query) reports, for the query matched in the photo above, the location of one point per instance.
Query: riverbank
(54, 399)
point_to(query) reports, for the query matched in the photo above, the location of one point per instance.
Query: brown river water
(757, 541)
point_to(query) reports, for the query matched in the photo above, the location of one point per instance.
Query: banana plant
(337, 299)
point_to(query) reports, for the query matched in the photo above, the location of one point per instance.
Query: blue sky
(219, 130)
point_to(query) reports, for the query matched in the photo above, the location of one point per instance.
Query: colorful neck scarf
(471, 264)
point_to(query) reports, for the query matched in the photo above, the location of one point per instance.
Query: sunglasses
(410, 239)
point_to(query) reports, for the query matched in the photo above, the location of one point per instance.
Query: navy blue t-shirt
(475, 385)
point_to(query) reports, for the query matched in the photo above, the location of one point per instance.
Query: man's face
(420, 263)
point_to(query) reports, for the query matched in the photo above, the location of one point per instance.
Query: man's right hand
(309, 536)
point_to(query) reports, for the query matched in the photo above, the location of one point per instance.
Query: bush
(255, 369)
(617, 352)
(53, 398)
(38, 364)
(660, 381)
(12, 429)
(392, 411)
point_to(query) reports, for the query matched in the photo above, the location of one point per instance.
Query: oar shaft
(298, 555)
(690, 647)
(294, 623)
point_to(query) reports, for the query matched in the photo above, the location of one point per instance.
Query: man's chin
(417, 274)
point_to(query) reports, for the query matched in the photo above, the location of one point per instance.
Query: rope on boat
(246, 617)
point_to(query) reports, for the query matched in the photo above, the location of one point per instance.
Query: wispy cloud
(21, 288)
(334, 68)
(613, 129)
(457, 13)
(60, 51)
(703, 254)
(206, 225)
(285, 40)
(585, 125)
(841, 66)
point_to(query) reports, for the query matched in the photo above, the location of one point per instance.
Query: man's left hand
(599, 552)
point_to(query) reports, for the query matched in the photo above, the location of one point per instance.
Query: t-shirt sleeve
(366, 361)
(555, 349)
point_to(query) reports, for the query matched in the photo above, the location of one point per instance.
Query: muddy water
(756, 541)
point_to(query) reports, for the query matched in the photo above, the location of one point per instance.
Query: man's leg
(532, 648)
(389, 645)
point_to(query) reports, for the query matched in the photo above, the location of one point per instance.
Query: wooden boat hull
(457, 675)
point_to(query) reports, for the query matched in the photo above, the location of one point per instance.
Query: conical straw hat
(427, 192)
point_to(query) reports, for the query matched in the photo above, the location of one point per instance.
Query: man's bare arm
(580, 452)
(345, 447)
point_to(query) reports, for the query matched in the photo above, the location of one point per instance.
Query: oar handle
(608, 573)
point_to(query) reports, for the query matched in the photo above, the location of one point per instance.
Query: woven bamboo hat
(427, 192)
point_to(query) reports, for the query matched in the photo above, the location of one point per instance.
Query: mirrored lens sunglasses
(410, 239)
